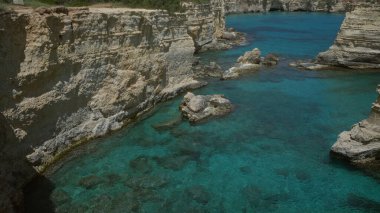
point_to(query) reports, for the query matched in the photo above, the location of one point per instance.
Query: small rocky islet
(81, 73)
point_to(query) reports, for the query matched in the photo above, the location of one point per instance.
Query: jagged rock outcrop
(70, 75)
(197, 108)
(205, 22)
(357, 44)
(239, 6)
(251, 61)
(361, 145)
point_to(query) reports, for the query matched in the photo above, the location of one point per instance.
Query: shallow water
(270, 155)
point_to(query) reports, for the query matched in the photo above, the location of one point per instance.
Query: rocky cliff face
(70, 75)
(206, 22)
(358, 43)
(238, 6)
(361, 145)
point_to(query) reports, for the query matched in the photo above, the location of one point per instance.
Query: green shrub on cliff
(170, 5)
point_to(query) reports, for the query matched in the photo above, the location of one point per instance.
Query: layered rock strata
(357, 45)
(198, 108)
(361, 145)
(239, 6)
(205, 22)
(70, 75)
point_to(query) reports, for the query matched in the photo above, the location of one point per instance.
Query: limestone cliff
(361, 145)
(358, 42)
(206, 22)
(238, 6)
(70, 75)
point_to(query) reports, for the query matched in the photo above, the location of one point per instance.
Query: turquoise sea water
(270, 155)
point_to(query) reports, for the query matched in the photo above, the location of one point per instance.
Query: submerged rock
(168, 124)
(197, 108)
(199, 194)
(359, 202)
(146, 182)
(361, 145)
(141, 164)
(90, 182)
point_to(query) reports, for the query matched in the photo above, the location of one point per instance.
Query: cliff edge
(73, 74)
(357, 45)
(361, 145)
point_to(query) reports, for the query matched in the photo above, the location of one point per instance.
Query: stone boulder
(208, 70)
(197, 108)
(251, 61)
(250, 57)
(229, 35)
(270, 60)
(240, 69)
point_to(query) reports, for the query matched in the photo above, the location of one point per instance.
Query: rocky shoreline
(361, 145)
(357, 45)
(100, 68)
(104, 68)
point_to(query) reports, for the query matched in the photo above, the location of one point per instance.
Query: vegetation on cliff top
(170, 5)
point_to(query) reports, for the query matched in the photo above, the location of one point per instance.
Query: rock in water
(197, 108)
(357, 44)
(250, 57)
(270, 60)
(361, 145)
(251, 61)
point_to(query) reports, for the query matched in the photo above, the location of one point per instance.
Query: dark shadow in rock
(61, 196)
(199, 194)
(362, 203)
(37, 195)
(141, 164)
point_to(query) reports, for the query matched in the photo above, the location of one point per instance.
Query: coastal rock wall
(206, 22)
(361, 145)
(70, 75)
(239, 6)
(358, 42)
(78, 74)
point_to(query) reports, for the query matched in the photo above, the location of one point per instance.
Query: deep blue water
(270, 155)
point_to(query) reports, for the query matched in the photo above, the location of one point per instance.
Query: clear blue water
(270, 155)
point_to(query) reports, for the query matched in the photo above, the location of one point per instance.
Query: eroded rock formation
(250, 62)
(238, 6)
(357, 44)
(70, 75)
(361, 145)
(197, 108)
